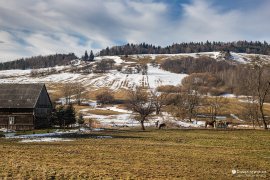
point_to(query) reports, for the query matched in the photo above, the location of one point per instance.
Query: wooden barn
(24, 106)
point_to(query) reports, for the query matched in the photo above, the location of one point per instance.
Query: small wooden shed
(24, 106)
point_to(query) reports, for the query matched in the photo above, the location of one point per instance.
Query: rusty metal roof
(19, 95)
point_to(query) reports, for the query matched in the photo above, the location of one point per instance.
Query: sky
(42, 27)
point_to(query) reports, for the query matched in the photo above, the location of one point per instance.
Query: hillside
(113, 79)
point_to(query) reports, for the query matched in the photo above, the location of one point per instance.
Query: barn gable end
(43, 108)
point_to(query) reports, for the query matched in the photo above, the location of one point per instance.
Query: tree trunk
(157, 111)
(265, 124)
(142, 124)
(190, 115)
(263, 117)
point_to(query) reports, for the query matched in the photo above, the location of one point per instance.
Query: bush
(105, 97)
(104, 65)
(204, 83)
(168, 89)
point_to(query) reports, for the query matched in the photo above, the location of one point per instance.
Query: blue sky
(41, 27)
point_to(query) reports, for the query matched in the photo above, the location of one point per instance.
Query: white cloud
(34, 27)
(203, 21)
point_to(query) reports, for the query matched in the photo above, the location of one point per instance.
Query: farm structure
(24, 106)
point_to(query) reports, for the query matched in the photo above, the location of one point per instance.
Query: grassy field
(103, 112)
(132, 154)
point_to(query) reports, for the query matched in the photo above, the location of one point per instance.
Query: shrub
(105, 97)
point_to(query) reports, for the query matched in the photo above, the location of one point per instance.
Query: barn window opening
(11, 120)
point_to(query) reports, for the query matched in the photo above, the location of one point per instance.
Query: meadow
(134, 154)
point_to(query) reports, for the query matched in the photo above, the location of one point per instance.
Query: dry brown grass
(132, 154)
(55, 90)
(103, 112)
(145, 60)
(160, 58)
(142, 60)
(120, 94)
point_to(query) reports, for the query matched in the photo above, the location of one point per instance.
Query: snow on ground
(45, 137)
(55, 139)
(113, 120)
(195, 124)
(45, 140)
(244, 126)
(236, 117)
(15, 72)
(52, 137)
(117, 59)
(113, 79)
(228, 95)
(56, 133)
(125, 118)
(115, 108)
(239, 58)
(157, 77)
(195, 55)
(59, 77)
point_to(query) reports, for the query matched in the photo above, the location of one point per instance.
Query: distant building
(24, 106)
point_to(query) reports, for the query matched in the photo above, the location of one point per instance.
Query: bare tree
(192, 102)
(140, 102)
(177, 105)
(214, 106)
(258, 85)
(105, 97)
(186, 103)
(159, 100)
(251, 112)
(68, 90)
(78, 91)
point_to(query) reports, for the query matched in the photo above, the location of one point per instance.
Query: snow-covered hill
(114, 79)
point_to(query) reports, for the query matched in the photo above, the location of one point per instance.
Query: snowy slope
(242, 58)
(114, 79)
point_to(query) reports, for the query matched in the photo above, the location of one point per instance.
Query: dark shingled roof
(19, 95)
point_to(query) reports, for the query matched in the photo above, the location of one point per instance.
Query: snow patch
(44, 140)
(228, 95)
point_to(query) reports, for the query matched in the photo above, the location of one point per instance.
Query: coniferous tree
(69, 115)
(91, 56)
(86, 57)
(192, 47)
(39, 62)
(58, 116)
(64, 116)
